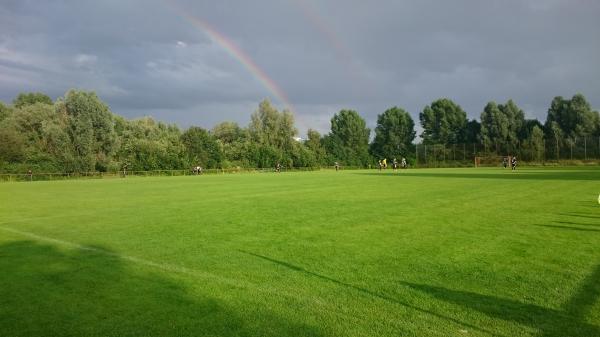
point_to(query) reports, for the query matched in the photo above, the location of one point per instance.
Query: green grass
(440, 252)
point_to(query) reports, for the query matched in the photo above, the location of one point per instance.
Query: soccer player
(380, 165)
(278, 167)
(504, 161)
(384, 162)
(395, 164)
(514, 163)
(404, 165)
(337, 166)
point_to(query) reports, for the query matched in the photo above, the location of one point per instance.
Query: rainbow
(237, 53)
(321, 25)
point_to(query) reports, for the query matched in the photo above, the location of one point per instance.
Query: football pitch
(428, 252)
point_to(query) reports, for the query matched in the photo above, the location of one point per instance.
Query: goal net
(492, 161)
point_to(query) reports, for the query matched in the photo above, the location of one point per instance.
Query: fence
(7, 177)
(583, 149)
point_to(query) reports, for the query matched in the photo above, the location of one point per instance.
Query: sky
(203, 62)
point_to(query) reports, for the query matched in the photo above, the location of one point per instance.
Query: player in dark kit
(504, 162)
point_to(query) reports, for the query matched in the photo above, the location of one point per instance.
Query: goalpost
(491, 161)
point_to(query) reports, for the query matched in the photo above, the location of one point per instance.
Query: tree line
(79, 133)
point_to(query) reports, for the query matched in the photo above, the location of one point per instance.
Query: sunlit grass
(440, 252)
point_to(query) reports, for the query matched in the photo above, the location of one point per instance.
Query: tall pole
(416, 155)
(571, 150)
(544, 149)
(444, 153)
(454, 152)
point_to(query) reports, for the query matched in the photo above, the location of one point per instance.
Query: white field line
(163, 266)
(171, 268)
(187, 271)
(228, 281)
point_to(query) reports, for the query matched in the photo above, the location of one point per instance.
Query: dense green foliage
(394, 134)
(472, 132)
(79, 133)
(349, 138)
(502, 123)
(202, 147)
(571, 118)
(440, 252)
(444, 122)
(31, 98)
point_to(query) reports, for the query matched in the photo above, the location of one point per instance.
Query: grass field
(432, 252)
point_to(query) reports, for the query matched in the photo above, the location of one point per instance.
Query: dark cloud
(146, 58)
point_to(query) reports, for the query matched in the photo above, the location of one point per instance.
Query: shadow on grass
(550, 323)
(591, 203)
(581, 215)
(45, 291)
(518, 175)
(570, 228)
(368, 292)
(578, 223)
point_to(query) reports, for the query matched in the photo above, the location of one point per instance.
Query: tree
(536, 143)
(443, 122)
(286, 131)
(494, 125)
(272, 136)
(502, 125)
(30, 121)
(472, 132)
(303, 156)
(573, 117)
(202, 148)
(31, 98)
(348, 140)
(91, 128)
(148, 145)
(516, 120)
(270, 127)
(228, 132)
(527, 128)
(5, 111)
(42, 139)
(13, 144)
(394, 134)
(315, 144)
(234, 142)
(555, 134)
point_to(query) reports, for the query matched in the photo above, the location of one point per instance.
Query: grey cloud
(145, 58)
